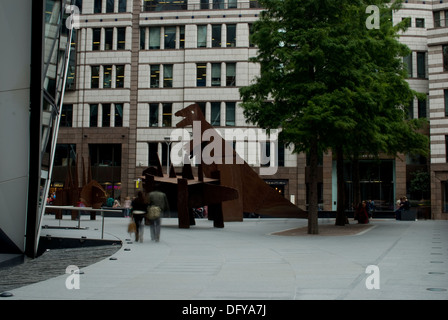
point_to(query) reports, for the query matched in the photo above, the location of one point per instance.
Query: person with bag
(158, 203)
(139, 208)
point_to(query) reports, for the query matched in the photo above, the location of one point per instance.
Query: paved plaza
(258, 259)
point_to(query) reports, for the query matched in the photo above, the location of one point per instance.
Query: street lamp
(168, 143)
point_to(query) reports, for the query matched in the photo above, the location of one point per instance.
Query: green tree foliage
(329, 82)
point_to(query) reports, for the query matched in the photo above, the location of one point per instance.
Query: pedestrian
(159, 199)
(139, 209)
(127, 206)
(361, 213)
(400, 207)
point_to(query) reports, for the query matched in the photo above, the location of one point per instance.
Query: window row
(216, 113)
(421, 63)
(108, 39)
(107, 76)
(167, 5)
(440, 19)
(106, 115)
(109, 6)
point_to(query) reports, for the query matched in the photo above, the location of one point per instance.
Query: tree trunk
(313, 198)
(341, 218)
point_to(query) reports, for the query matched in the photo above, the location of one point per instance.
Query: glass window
(154, 38)
(230, 113)
(98, 4)
(153, 114)
(233, 4)
(142, 38)
(66, 115)
(216, 74)
(231, 74)
(170, 37)
(446, 18)
(205, 4)
(408, 64)
(95, 80)
(218, 4)
(93, 115)
(122, 6)
(202, 36)
(106, 114)
(437, 19)
(421, 65)
(96, 39)
(167, 75)
(107, 76)
(231, 35)
(121, 38)
(420, 22)
(167, 114)
(119, 81)
(109, 6)
(118, 115)
(155, 76)
(65, 155)
(445, 92)
(201, 74)
(153, 150)
(109, 38)
(215, 114)
(422, 108)
(445, 57)
(182, 37)
(216, 36)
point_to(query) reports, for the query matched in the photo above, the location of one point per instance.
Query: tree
(323, 76)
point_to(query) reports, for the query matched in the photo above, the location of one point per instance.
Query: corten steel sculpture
(254, 195)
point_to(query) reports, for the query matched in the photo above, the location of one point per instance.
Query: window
(119, 81)
(154, 38)
(202, 36)
(251, 31)
(121, 38)
(96, 39)
(93, 115)
(230, 113)
(215, 114)
(231, 35)
(106, 115)
(109, 6)
(155, 76)
(437, 21)
(231, 74)
(168, 76)
(118, 116)
(408, 22)
(446, 149)
(122, 6)
(205, 4)
(153, 150)
(446, 18)
(419, 22)
(95, 80)
(107, 76)
(153, 114)
(201, 74)
(66, 115)
(182, 37)
(218, 4)
(421, 65)
(232, 4)
(445, 92)
(216, 74)
(422, 113)
(98, 5)
(167, 114)
(445, 57)
(142, 38)
(216, 36)
(65, 155)
(170, 37)
(408, 64)
(109, 38)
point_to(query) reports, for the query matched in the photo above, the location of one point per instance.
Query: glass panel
(182, 37)
(205, 4)
(155, 76)
(109, 6)
(202, 36)
(95, 81)
(108, 41)
(408, 64)
(153, 114)
(421, 65)
(119, 81)
(446, 102)
(437, 19)
(445, 57)
(142, 38)
(98, 4)
(96, 39)
(422, 108)
(218, 4)
(230, 113)
(170, 37)
(121, 38)
(107, 77)
(168, 76)
(118, 115)
(216, 74)
(215, 114)
(231, 35)
(66, 115)
(201, 74)
(216, 36)
(106, 115)
(167, 114)
(154, 38)
(231, 74)
(93, 115)
(233, 4)
(153, 153)
(122, 6)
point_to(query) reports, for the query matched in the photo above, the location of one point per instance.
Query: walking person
(139, 209)
(361, 213)
(127, 206)
(158, 199)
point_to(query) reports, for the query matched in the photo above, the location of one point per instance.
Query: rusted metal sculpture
(230, 188)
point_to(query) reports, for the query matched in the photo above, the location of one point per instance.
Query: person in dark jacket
(159, 199)
(139, 208)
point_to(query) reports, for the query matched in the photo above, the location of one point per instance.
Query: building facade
(137, 62)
